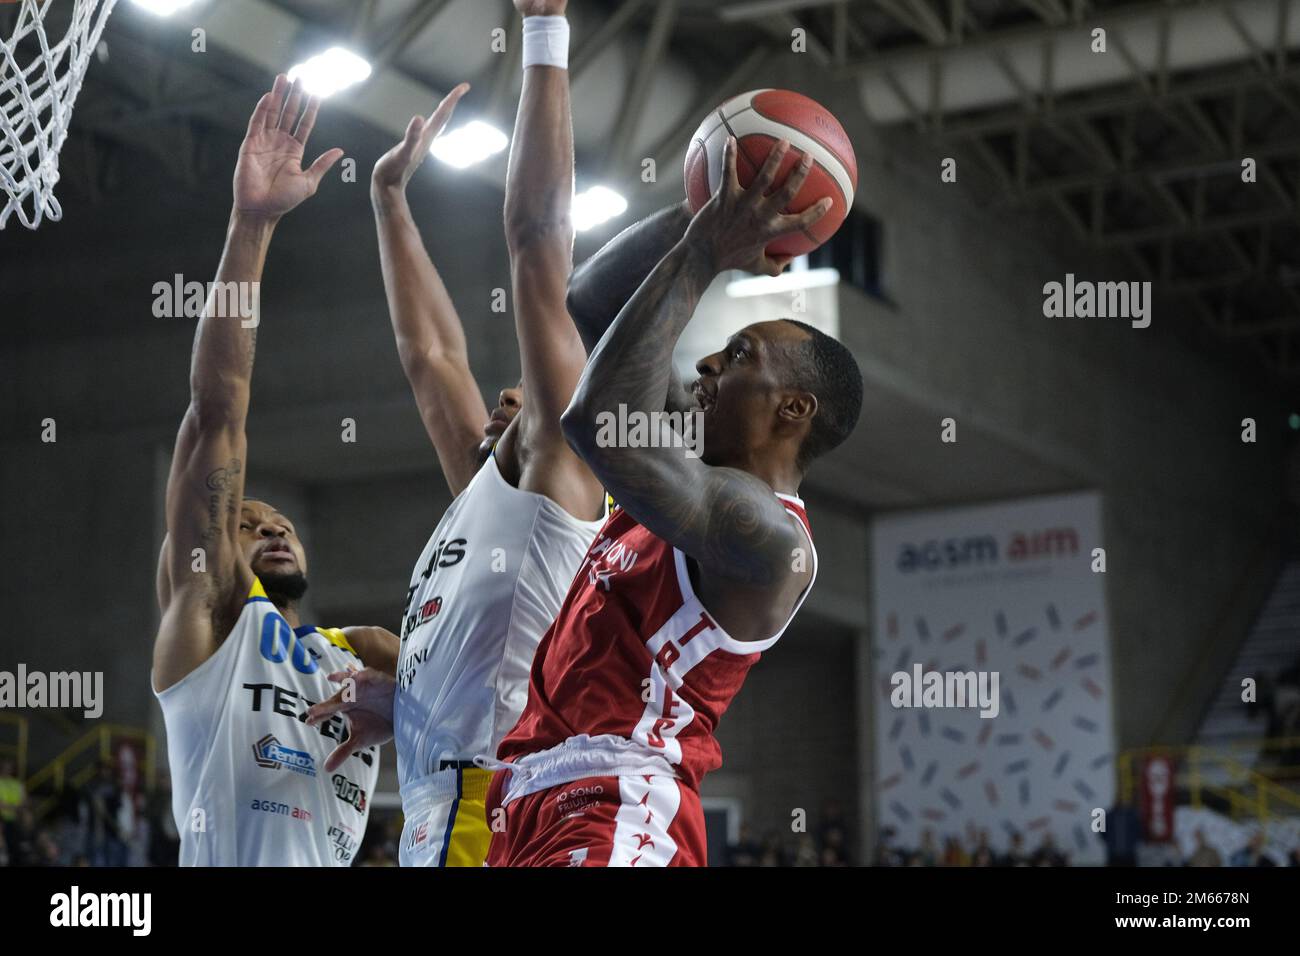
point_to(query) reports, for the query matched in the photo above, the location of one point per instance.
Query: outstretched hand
(396, 167)
(269, 178)
(367, 701)
(734, 228)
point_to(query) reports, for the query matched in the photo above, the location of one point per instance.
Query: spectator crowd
(111, 822)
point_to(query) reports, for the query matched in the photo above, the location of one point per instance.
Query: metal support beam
(1204, 227)
(601, 38)
(1012, 36)
(910, 15)
(840, 29)
(363, 20)
(1283, 24)
(1077, 225)
(629, 117)
(674, 141)
(1049, 11)
(1109, 103)
(909, 104)
(420, 17)
(787, 23)
(508, 67)
(1162, 56)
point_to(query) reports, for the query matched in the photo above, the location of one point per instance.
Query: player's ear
(798, 407)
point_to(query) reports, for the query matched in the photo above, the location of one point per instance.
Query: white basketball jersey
(487, 586)
(249, 786)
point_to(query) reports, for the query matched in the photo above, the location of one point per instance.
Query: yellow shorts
(446, 819)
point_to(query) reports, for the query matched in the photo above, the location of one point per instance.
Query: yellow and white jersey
(487, 586)
(249, 786)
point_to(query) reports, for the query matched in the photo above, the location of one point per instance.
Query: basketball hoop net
(38, 88)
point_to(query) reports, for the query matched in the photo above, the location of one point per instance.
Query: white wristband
(546, 42)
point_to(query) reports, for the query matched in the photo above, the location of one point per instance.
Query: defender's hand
(396, 167)
(733, 229)
(367, 701)
(269, 178)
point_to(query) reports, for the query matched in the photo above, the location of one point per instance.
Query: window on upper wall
(855, 252)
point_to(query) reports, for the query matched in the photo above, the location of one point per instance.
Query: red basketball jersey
(634, 653)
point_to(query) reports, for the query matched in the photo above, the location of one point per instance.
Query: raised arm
(430, 337)
(602, 285)
(727, 520)
(539, 235)
(202, 576)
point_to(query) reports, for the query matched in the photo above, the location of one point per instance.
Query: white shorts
(446, 819)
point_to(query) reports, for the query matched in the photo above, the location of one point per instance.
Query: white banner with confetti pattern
(1006, 600)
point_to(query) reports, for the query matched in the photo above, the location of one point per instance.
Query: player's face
(509, 401)
(740, 388)
(269, 541)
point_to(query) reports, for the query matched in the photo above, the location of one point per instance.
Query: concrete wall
(1144, 415)
(790, 739)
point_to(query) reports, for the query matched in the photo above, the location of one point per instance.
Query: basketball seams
(817, 164)
(725, 121)
(831, 148)
(833, 162)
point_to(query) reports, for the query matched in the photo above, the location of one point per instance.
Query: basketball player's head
(509, 401)
(780, 389)
(273, 550)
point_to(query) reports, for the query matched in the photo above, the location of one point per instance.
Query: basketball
(758, 119)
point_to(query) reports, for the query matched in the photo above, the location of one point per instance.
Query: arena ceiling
(1138, 150)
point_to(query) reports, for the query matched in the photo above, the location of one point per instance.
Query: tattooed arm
(602, 285)
(727, 520)
(202, 576)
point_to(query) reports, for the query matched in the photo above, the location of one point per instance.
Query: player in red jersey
(699, 569)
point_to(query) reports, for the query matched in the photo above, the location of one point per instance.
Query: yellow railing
(70, 768)
(1247, 792)
(17, 750)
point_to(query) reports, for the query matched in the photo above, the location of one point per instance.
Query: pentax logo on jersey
(289, 703)
(349, 792)
(272, 755)
(344, 840)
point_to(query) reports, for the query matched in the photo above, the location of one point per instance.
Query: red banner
(1157, 805)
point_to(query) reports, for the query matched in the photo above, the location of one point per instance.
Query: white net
(40, 76)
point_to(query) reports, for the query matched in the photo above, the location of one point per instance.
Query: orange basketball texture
(758, 119)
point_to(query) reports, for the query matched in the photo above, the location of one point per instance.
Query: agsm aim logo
(946, 554)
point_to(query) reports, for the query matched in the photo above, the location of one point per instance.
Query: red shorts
(643, 820)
